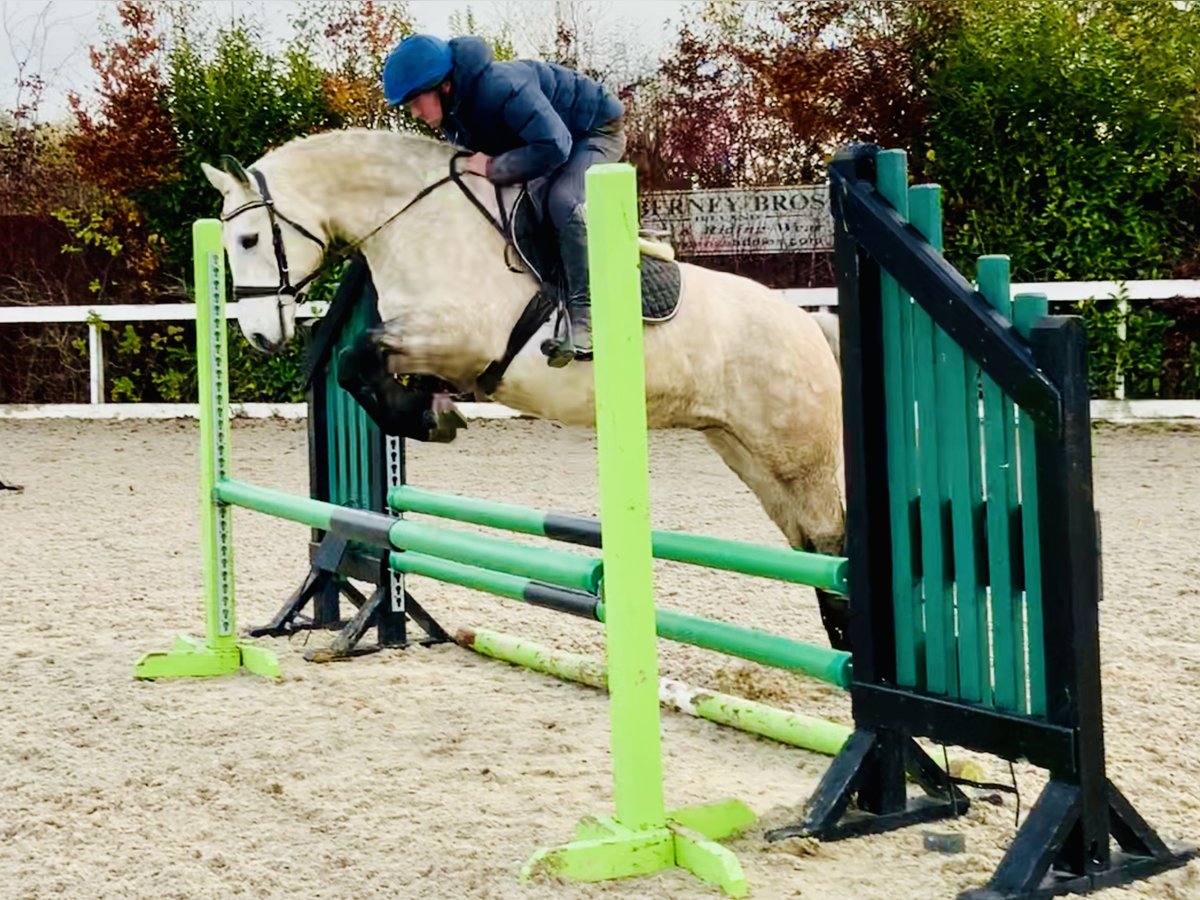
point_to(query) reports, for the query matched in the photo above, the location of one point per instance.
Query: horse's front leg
(421, 415)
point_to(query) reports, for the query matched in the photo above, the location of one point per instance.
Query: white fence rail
(1129, 292)
(95, 316)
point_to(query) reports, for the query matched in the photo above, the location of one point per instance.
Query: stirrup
(559, 349)
(558, 352)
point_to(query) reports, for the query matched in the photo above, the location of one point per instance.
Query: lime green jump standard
(221, 652)
(642, 837)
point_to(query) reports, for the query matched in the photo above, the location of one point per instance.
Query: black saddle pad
(537, 246)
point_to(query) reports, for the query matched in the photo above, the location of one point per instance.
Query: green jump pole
(220, 652)
(531, 574)
(775, 650)
(795, 566)
(514, 587)
(551, 566)
(642, 838)
(381, 530)
(792, 728)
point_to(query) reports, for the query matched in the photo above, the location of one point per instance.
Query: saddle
(533, 248)
(422, 408)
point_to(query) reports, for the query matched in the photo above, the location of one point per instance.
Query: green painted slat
(924, 202)
(972, 508)
(344, 465)
(1012, 511)
(959, 495)
(341, 461)
(901, 427)
(364, 426)
(352, 423)
(337, 425)
(366, 430)
(958, 433)
(332, 414)
(331, 405)
(1027, 309)
(353, 458)
(1008, 655)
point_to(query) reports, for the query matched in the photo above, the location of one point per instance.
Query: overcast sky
(55, 34)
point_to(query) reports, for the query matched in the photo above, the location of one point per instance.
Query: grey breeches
(560, 192)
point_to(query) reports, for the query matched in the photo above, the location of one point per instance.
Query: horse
(751, 372)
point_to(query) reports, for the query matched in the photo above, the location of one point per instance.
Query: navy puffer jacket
(526, 114)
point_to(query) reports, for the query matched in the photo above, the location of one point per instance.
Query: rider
(526, 121)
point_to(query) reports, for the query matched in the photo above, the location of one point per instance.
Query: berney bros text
(742, 220)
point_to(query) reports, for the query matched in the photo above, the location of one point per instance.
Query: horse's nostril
(261, 343)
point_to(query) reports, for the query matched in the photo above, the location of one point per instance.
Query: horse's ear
(218, 179)
(234, 168)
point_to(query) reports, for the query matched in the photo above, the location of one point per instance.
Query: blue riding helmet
(417, 64)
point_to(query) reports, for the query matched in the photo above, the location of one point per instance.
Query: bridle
(285, 292)
(285, 286)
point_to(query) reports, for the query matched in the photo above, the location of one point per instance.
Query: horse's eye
(249, 241)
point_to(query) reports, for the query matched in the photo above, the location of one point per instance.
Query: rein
(454, 176)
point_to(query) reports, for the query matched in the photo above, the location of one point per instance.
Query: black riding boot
(572, 241)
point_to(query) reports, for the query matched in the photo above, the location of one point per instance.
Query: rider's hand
(477, 164)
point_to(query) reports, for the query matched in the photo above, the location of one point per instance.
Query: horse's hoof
(450, 418)
(324, 655)
(443, 434)
(443, 425)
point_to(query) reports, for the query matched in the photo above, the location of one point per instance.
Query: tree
(350, 40)
(126, 148)
(464, 22)
(1067, 134)
(765, 93)
(694, 125)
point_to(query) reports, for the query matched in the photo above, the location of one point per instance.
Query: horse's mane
(361, 147)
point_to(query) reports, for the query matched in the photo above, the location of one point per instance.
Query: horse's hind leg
(803, 497)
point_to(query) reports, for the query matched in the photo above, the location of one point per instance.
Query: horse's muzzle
(267, 347)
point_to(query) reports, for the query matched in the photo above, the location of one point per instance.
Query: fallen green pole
(792, 728)
(795, 566)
